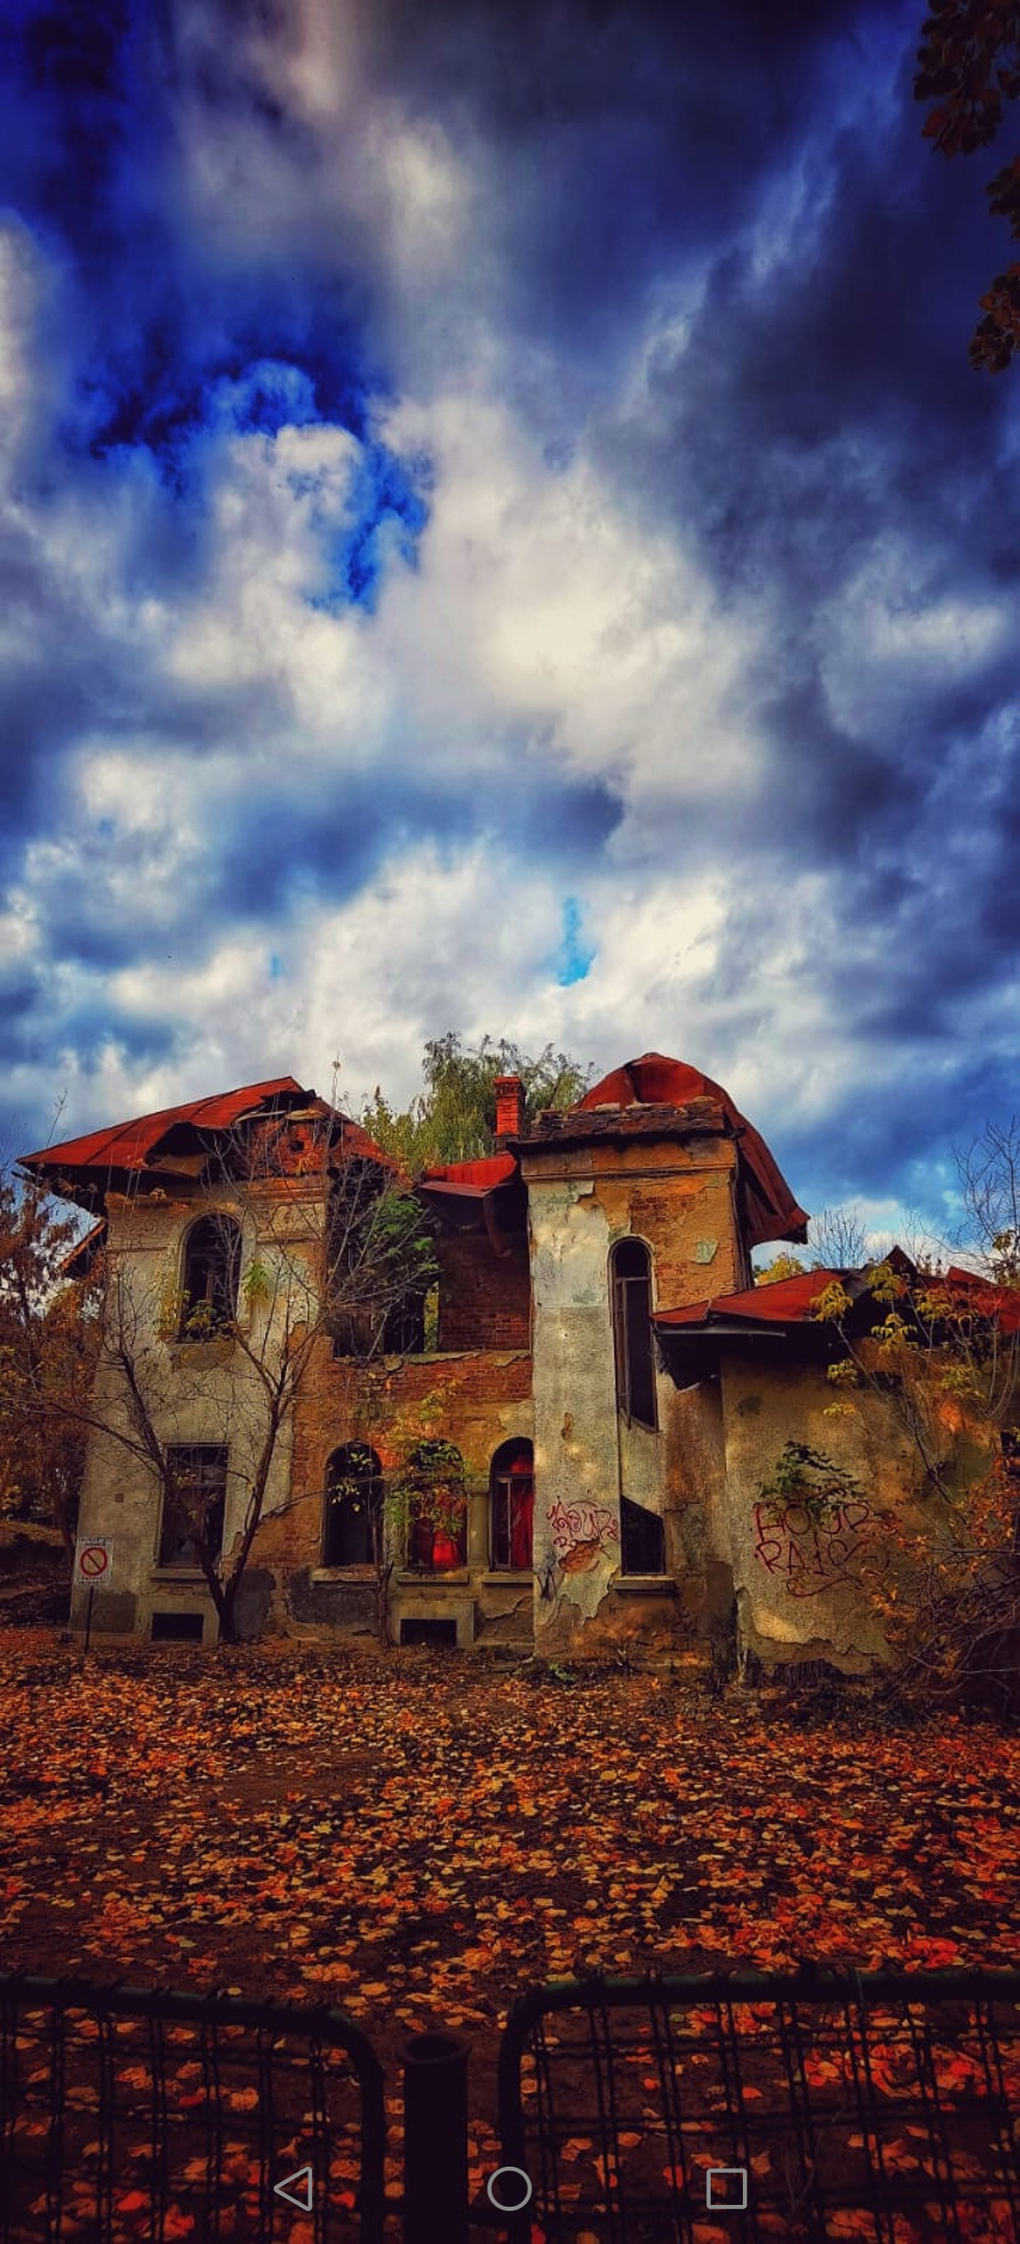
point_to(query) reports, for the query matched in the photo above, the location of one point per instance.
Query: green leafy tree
(969, 65)
(454, 1117)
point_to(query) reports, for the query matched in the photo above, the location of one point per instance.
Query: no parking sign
(93, 1561)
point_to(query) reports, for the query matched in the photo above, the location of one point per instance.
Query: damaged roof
(486, 1194)
(132, 1145)
(156, 1146)
(656, 1096)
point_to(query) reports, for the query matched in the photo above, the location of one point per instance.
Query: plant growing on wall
(427, 1502)
(810, 1479)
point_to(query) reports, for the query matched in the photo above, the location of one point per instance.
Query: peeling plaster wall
(577, 1495)
(680, 1200)
(698, 1548)
(195, 1392)
(797, 1589)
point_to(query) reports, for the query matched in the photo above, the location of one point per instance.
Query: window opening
(353, 1507)
(631, 1269)
(193, 1504)
(436, 1507)
(428, 1632)
(212, 1265)
(642, 1540)
(512, 1506)
(176, 1628)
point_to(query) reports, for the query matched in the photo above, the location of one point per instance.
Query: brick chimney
(509, 1107)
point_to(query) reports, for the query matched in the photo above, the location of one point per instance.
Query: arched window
(352, 1517)
(437, 1507)
(631, 1275)
(511, 1506)
(212, 1266)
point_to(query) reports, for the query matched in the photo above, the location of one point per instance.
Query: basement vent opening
(177, 1628)
(428, 1632)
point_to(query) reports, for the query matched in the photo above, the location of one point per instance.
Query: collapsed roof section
(659, 1097)
(178, 1144)
(484, 1195)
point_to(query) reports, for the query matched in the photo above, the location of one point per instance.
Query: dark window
(642, 1540)
(212, 1265)
(437, 1507)
(428, 1632)
(511, 1506)
(193, 1505)
(631, 1273)
(353, 1509)
(176, 1628)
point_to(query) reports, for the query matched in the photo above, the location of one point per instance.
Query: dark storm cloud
(812, 412)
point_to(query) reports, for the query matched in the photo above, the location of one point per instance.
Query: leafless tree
(839, 1240)
(335, 1247)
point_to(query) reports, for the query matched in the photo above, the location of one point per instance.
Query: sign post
(93, 1564)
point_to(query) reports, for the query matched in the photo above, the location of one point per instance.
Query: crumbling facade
(605, 1389)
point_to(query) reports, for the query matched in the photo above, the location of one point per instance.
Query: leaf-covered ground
(418, 1839)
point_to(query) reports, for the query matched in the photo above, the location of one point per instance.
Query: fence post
(435, 2139)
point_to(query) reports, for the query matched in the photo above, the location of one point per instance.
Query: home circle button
(512, 2197)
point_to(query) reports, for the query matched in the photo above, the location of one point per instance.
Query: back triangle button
(296, 2188)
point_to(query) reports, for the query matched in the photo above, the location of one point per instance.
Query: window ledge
(644, 1585)
(178, 1574)
(364, 1574)
(455, 1575)
(505, 1578)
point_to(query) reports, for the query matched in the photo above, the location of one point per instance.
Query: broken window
(352, 1519)
(642, 1540)
(631, 1277)
(511, 1506)
(195, 1492)
(380, 1265)
(436, 1507)
(212, 1264)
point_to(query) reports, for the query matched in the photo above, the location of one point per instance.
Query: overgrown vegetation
(454, 1117)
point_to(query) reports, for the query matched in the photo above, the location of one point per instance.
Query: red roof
(130, 1145)
(988, 1300)
(788, 1301)
(770, 1210)
(492, 1169)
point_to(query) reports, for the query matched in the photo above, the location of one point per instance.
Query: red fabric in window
(522, 1508)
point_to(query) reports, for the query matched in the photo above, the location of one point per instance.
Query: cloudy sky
(498, 531)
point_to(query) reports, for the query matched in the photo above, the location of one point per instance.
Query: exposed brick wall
(340, 1403)
(484, 1298)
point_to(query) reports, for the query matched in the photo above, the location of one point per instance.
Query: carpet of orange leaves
(418, 1838)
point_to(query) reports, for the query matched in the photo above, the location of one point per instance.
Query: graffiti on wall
(581, 1534)
(808, 1554)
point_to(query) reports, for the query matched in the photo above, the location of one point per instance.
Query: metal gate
(127, 2113)
(734, 2107)
(807, 2105)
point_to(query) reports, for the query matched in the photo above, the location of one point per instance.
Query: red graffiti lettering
(808, 1555)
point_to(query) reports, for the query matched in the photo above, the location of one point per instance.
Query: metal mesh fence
(881, 2106)
(130, 2115)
